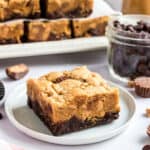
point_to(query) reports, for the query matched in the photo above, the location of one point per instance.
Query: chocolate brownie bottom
(74, 124)
(8, 41)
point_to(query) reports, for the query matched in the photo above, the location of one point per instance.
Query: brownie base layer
(72, 125)
(8, 41)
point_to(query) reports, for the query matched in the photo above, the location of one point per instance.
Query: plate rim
(60, 139)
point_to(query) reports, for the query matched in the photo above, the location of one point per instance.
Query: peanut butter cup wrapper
(142, 87)
(143, 92)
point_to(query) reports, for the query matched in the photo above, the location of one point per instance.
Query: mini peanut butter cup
(142, 86)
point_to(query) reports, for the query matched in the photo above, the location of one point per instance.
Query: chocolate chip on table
(148, 129)
(1, 116)
(146, 147)
(18, 71)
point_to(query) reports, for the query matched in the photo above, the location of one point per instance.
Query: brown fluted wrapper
(142, 86)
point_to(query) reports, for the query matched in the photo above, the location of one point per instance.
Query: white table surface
(132, 139)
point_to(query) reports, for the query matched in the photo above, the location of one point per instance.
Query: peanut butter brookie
(90, 26)
(12, 9)
(73, 100)
(11, 32)
(67, 8)
(48, 30)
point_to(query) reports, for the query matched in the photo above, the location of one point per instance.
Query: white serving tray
(101, 8)
(55, 47)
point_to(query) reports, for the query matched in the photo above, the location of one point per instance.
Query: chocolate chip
(130, 28)
(116, 23)
(142, 68)
(148, 65)
(1, 116)
(93, 32)
(60, 79)
(2, 91)
(148, 129)
(146, 147)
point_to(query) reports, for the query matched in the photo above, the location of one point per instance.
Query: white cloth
(4, 145)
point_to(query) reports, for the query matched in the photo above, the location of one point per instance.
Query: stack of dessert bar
(24, 21)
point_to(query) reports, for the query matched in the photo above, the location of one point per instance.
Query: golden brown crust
(78, 93)
(90, 27)
(48, 30)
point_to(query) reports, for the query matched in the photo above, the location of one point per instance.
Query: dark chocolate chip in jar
(130, 28)
(129, 48)
(116, 23)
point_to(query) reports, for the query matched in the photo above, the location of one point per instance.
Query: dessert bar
(12, 9)
(90, 26)
(67, 8)
(73, 100)
(11, 32)
(39, 30)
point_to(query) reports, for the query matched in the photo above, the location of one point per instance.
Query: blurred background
(116, 4)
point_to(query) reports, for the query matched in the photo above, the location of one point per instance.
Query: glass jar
(136, 7)
(128, 53)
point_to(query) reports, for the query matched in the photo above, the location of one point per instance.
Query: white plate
(26, 121)
(101, 8)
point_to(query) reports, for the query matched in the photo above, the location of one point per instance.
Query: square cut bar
(90, 26)
(39, 30)
(73, 100)
(11, 32)
(67, 8)
(14, 9)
